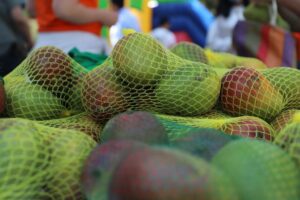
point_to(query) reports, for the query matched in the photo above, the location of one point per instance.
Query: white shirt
(126, 20)
(67, 40)
(164, 36)
(219, 36)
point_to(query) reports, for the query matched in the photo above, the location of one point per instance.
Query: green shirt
(8, 34)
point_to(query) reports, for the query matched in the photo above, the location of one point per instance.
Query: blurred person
(15, 36)
(69, 24)
(210, 4)
(163, 34)
(290, 12)
(288, 9)
(219, 37)
(126, 20)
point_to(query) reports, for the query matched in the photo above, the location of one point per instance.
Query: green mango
(259, 170)
(23, 160)
(30, 101)
(190, 90)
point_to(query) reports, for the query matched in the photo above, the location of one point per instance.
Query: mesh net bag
(143, 75)
(287, 81)
(157, 173)
(259, 170)
(215, 114)
(39, 162)
(189, 51)
(246, 126)
(220, 60)
(246, 91)
(283, 119)
(80, 122)
(230, 61)
(69, 149)
(289, 140)
(46, 85)
(23, 160)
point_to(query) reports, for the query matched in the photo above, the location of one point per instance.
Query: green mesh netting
(140, 75)
(246, 91)
(23, 160)
(259, 170)
(43, 160)
(44, 86)
(143, 75)
(287, 81)
(194, 52)
(215, 114)
(190, 51)
(246, 126)
(39, 162)
(289, 140)
(80, 122)
(283, 119)
(229, 61)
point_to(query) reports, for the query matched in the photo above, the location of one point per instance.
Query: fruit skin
(204, 143)
(140, 59)
(139, 126)
(245, 91)
(168, 174)
(31, 101)
(259, 170)
(190, 90)
(69, 150)
(100, 164)
(251, 127)
(190, 51)
(102, 95)
(51, 68)
(23, 160)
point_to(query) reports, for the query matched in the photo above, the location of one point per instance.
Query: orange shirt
(48, 22)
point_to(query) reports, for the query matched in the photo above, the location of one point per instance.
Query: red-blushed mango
(139, 126)
(102, 95)
(167, 174)
(246, 91)
(251, 127)
(100, 164)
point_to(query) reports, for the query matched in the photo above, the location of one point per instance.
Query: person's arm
(22, 24)
(73, 11)
(292, 5)
(30, 5)
(288, 9)
(291, 18)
